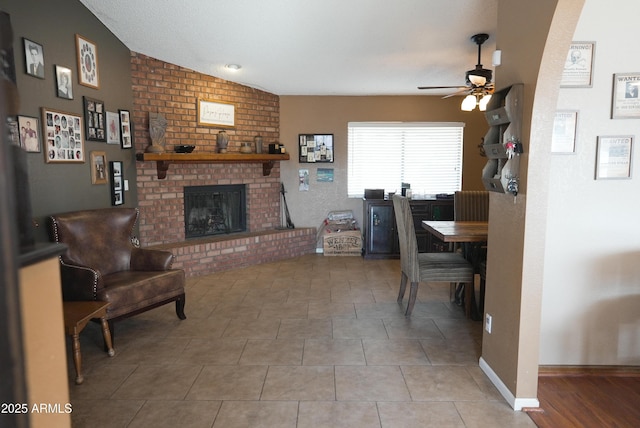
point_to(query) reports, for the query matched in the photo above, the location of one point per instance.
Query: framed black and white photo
(113, 128)
(613, 157)
(565, 124)
(29, 131)
(13, 131)
(626, 102)
(64, 87)
(94, 117)
(117, 183)
(87, 53)
(33, 58)
(126, 136)
(578, 67)
(62, 134)
(314, 148)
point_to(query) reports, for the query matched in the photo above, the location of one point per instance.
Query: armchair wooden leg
(180, 307)
(403, 287)
(106, 334)
(112, 336)
(413, 293)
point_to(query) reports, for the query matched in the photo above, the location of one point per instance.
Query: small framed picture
(63, 134)
(626, 102)
(64, 87)
(94, 117)
(13, 131)
(98, 167)
(117, 183)
(87, 62)
(29, 129)
(126, 136)
(565, 124)
(33, 58)
(314, 148)
(113, 128)
(613, 157)
(578, 67)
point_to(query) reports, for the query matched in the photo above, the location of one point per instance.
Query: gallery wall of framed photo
(71, 128)
(55, 63)
(613, 159)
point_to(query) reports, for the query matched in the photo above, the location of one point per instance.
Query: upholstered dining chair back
(471, 205)
(407, 238)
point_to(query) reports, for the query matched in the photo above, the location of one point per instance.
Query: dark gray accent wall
(53, 24)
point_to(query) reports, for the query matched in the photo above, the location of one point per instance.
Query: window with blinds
(382, 155)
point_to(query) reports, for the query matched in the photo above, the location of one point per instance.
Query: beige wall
(313, 114)
(591, 280)
(534, 39)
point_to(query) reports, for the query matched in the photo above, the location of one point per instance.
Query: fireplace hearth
(214, 210)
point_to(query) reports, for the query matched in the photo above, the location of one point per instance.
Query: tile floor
(308, 342)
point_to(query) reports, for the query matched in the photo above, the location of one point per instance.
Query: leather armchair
(101, 263)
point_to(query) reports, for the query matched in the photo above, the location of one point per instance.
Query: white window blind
(382, 155)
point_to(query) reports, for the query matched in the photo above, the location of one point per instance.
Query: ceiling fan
(478, 87)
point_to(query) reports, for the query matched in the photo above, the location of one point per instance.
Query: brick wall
(159, 87)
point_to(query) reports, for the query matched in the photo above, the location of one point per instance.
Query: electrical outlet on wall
(488, 319)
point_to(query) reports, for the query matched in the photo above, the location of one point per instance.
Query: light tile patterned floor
(309, 342)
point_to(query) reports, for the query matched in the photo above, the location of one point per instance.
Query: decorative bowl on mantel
(184, 148)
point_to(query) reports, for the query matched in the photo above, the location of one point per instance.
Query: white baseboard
(516, 403)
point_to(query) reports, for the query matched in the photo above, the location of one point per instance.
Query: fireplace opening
(214, 210)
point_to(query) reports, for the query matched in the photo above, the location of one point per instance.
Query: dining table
(473, 236)
(458, 231)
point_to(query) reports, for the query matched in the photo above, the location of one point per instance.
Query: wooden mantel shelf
(163, 160)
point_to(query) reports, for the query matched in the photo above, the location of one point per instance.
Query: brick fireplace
(174, 91)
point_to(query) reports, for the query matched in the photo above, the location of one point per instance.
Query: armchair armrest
(79, 282)
(146, 259)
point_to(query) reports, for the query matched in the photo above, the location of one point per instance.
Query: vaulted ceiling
(311, 47)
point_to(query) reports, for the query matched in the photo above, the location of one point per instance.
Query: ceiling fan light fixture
(482, 104)
(477, 80)
(469, 103)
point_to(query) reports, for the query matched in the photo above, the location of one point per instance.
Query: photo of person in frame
(631, 89)
(34, 57)
(65, 88)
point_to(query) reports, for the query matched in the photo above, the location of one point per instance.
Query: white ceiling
(311, 47)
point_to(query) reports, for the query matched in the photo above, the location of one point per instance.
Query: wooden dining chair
(423, 267)
(473, 205)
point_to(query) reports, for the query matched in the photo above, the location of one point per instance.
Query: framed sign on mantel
(216, 113)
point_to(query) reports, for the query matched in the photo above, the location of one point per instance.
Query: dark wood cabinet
(381, 235)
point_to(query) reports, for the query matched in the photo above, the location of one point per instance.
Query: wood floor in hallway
(588, 400)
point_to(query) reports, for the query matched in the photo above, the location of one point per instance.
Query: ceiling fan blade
(462, 92)
(441, 87)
